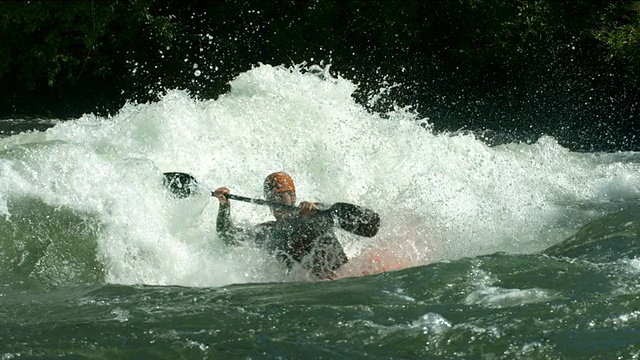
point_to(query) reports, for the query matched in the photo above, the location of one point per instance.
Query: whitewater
(441, 196)
(515, 250)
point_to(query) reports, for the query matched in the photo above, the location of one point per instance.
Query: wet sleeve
(230, 234)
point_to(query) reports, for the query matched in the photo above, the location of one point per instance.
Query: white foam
(496, 297)
(441, 196)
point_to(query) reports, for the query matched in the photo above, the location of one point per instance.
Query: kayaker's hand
(308, 208)
(221, 194)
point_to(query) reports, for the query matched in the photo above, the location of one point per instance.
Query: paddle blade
(181, 185)
(356, 219)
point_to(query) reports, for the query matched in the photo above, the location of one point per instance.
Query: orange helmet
(278, 182)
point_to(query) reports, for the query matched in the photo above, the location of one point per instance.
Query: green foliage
(619, 29)
(46, 43)
(96, 45)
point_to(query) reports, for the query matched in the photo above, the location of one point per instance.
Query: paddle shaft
(353, 218)
(259, 201)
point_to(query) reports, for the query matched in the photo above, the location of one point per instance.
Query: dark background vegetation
(507, 69)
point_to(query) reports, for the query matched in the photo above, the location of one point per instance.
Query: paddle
(355, 219)
(181, 185)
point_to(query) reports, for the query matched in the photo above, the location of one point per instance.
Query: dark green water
(495, 306)
(545, 308)
(517, 251)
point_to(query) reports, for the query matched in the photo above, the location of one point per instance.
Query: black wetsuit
(308, 240)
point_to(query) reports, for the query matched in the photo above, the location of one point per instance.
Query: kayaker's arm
(352, 218)
(227, 232)
(224, 226)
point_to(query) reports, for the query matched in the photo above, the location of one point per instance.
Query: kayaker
(301, 235)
